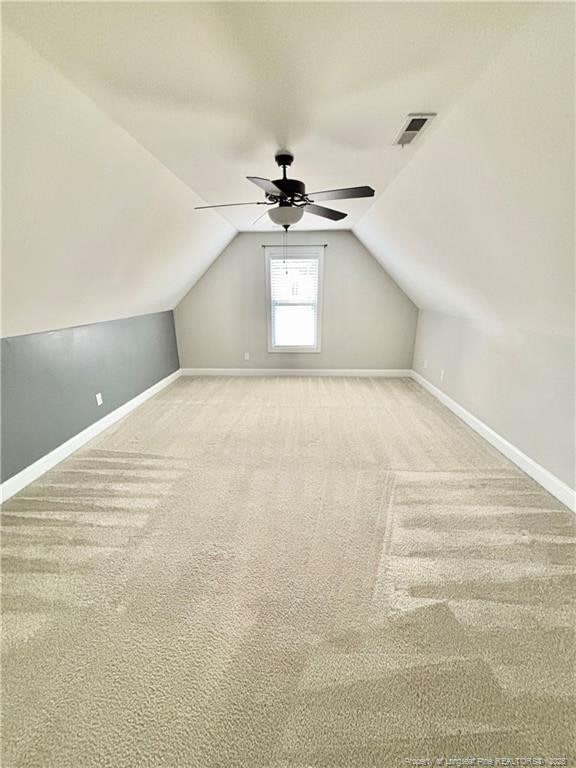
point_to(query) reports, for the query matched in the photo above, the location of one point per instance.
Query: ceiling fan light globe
(285, 215)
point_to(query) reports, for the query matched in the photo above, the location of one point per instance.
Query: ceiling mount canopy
(291, 199)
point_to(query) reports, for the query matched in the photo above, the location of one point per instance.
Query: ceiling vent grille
(414, 125)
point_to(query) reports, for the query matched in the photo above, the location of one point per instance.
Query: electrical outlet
(246, 355)
(425, 363)
(442, 375)
(99, 400)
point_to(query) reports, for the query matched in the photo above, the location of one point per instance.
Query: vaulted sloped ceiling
(214, 89)
(480, 224)
(120, 117)
(94, 226)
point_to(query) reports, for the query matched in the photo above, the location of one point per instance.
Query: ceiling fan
(291, 199)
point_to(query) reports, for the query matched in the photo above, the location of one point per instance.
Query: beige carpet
(286, 573)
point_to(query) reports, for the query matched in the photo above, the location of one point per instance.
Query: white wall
(368, 322)
(94, 227)
(479, 228)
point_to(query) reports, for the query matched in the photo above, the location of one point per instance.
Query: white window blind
(294, 276)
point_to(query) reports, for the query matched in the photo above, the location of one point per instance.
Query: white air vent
(414, 125)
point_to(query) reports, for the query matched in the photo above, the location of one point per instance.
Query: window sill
(293, 351)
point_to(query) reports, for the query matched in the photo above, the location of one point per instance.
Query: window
(294, 290)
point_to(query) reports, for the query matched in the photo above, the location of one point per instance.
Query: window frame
(275, 253)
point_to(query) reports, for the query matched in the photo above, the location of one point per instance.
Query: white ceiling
(214, 89)
(94, 226)
(481, 224)
(119, 118)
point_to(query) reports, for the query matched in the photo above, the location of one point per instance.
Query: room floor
(286, 573)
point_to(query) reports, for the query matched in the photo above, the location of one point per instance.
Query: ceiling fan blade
(268, 186)
(227, 205)
(327, 213)
(342, 194)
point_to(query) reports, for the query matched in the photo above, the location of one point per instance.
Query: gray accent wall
(520, 383)
(50, 380)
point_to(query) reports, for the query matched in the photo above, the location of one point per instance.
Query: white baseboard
(546, 479)
(349, 372)
(38, 468)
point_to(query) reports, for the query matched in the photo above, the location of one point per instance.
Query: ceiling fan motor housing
(290, 187)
